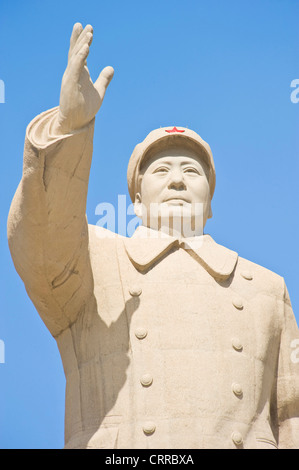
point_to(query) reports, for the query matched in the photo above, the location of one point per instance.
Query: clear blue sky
(221, 68)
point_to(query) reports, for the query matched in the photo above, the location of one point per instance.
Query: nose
(176, 181)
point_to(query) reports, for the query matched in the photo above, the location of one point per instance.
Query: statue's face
(176, 182)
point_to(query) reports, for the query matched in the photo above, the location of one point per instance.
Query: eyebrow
(167, 162)
(191, 163)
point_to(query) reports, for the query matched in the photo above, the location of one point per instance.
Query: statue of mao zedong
(168, 340)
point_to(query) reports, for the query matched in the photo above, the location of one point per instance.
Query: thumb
(103, 80)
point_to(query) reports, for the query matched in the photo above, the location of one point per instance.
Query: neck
(177, 227)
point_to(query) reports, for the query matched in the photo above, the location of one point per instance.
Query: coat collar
(216, 259)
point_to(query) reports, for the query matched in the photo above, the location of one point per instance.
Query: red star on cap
(174, 130)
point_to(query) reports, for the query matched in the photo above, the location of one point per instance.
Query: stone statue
(168, 340)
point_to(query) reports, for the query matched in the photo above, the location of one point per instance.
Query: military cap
(163, 138)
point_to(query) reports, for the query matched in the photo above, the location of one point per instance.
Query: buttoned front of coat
(165, 343)
(174, 357)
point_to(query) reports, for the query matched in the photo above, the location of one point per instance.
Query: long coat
(165, 343)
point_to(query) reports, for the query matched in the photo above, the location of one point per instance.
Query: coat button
(146, 380)
(236, 344)
(237, 389)
(149, 427)
(237, 302)
(140, 333)
(247, 275)
(135, 291)
(237, 438)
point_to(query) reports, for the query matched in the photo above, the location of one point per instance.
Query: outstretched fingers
(79, 48)
(79, 60)
(80, 42)
(85, 37)
(77, 30)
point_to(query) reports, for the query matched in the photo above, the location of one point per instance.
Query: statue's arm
(47, 227)
(287, 388)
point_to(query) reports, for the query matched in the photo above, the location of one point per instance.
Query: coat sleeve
(47, 226)
(288, 379)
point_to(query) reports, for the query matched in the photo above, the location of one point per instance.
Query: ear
(138, 205)
(210, 213)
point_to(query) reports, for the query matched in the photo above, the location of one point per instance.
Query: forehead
(171, 155)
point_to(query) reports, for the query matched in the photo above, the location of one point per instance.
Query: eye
(161, 169)
(191, 170)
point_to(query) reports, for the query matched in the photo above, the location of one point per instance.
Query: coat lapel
(146, 248)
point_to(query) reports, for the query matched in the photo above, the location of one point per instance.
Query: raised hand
(80, 98)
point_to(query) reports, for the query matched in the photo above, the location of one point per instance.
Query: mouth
(177, 200)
